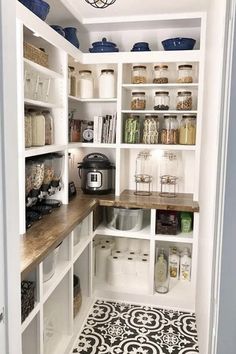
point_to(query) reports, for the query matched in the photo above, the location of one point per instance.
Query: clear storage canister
(161, 74)
(138, 101)
(132, 130)
(150, 129)
(28, 130)
(71, 81)
(139, 74)
(170, 131)
(162, 101)
(85, 84)
(187, 131)
(185, 74)
(184, 101)
(106, 84)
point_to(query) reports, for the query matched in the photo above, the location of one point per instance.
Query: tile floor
(120, 328)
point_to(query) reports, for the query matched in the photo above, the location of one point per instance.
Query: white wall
(208, 177)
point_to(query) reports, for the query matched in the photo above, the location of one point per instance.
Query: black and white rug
(120, 328)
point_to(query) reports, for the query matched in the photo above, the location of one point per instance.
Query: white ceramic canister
(106, 84)
(85, 84)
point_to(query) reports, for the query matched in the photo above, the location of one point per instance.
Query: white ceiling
(86, 14)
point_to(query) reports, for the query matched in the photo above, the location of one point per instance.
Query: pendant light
(100, 4)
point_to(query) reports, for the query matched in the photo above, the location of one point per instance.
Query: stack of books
(105, 129)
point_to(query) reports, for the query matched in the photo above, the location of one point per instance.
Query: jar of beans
(170, 131)
(160, 74)
(162, 100)
(187, 131)
(138, 101)
(139, 74)
(150, 129)
(185, 74)
(184, 101)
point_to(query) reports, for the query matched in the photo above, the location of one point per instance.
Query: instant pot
(96, 173)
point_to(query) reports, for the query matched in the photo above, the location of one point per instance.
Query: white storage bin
(124, 219)
(49, 264)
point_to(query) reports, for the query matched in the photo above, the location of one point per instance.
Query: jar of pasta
(139, 74)
(184, 101)
(187, 131)
(160, 74)
(150, 129)
(138, 101)
(185, 74)
(170, 131)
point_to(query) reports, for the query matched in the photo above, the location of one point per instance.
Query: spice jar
(138, 101)
(184, 101)
(71, 81)
(139, 74)
(170, 132)
(85, 84)
(106, 84)
(132, 130)
(160, 74)
(187, 131)
(150, 129)
(162, 101)
(185, 74)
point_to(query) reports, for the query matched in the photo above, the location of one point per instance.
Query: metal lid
(184, 93)
(96, 161)
(157, 67)
(139, 67)
(136, 93)
(170, 116)
(185, 66)
(161, 93)
(189, 116)
(85, 71)
(107, 71)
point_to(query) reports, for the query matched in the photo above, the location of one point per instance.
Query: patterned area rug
(119, 328)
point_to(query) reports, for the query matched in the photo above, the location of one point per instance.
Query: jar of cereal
(160, 74)
(185, 74)
(139, 74)
(138, 101)
(170, 132)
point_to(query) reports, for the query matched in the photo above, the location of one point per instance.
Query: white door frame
(9, 201)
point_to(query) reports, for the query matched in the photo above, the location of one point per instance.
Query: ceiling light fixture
(100, 4)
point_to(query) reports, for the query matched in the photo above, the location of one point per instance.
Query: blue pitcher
(70, 35)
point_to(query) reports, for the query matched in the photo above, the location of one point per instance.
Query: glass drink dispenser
(57, 168)
(143, 175)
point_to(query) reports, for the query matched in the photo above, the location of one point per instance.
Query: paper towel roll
(145, 246)
(115, 266)
(102, 252)
(108, 241)
(142, 267)
(130, 265)
(118, 253)
(121, 243)
(134, 245)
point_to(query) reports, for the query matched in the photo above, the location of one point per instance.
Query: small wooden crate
(35, 54)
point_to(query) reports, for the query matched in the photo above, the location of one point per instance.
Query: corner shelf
(42, 69)
(30, 317)
(91, 100)
(152, 111)
(36, 103)
(176, 147)
(142, 234)
(151, 86)
(180, 238)
(41, 150)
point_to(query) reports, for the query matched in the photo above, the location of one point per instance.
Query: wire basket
(27, 298)
(35, 54)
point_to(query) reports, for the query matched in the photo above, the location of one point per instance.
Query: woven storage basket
(27, 298)
(167, 223)
(35, 54)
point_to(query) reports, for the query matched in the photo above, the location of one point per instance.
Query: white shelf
(176, 147)
(152, 111)
(91, 100)
(142, 234)
(101, 287)
(43, 69)
(80, 247)
(40, 103)
(59, 343)
(41, 150)
(91, 145)
(49, 286)
(30, 317)
(180, 238)
(157, 86)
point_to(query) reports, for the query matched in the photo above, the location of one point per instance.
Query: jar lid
(107, 71)
(139, 67)
(184, 93)
(156, 67)
(71, 68)
(170, 116)
(133, 116)
(85, 71)
(134, 93)
(151, 116)
(189, 116)
(185, 66)
(162, 93)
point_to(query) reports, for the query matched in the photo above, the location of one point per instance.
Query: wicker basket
(167, 223)
(27, 298)
(35, 54)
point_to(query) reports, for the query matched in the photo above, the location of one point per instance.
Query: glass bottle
(160, 74)
(174, 263)
(106, 84)
(185, 265)
(132, 130)
(139, 74)
(85, 84)
(162, 101)
(150, 129)
(184, 101)
(185, 74)
(170, 132)
(138, 101)
(71, 81)
(161, 275)
(187, 131)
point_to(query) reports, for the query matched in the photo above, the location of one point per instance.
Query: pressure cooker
(96, 173)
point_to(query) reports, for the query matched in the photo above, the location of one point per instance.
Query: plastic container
(162, 101)
(170, 132)
(49, 128)
(184, 101)
(139, 74)
(138, 101)
(85, 84)
(185, 74)
(187, 131)
(49, 264)
(106, 84)
(124, 218)
(161, 74)
(38, 128)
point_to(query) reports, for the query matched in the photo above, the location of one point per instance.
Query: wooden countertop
(47, 233)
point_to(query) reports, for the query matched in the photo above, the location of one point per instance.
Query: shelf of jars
(159, 86)
(42, 69)
(152, 111)
(92, 100)
(42, 150)
(176, 147)
(35, 103)
(91, 145)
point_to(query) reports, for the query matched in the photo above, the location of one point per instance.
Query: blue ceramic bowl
(59, 30)
(25, 2)
(71, 36)
(39, 7)
(140, 47)
(141, 44)
(178, 43)
(103, 49)
(103, 43)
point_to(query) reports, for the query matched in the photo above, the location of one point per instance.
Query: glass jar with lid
(184, 101)
(71, 81)
(138, 101)
(139, 74)
(185, 74)
(85, 84)
(150, 129)
(161, 74)
(170, 132)
(162, 101)
(106, 84)
(187, 131)
(132, 129)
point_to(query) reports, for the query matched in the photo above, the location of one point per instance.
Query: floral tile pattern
(119, 328)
